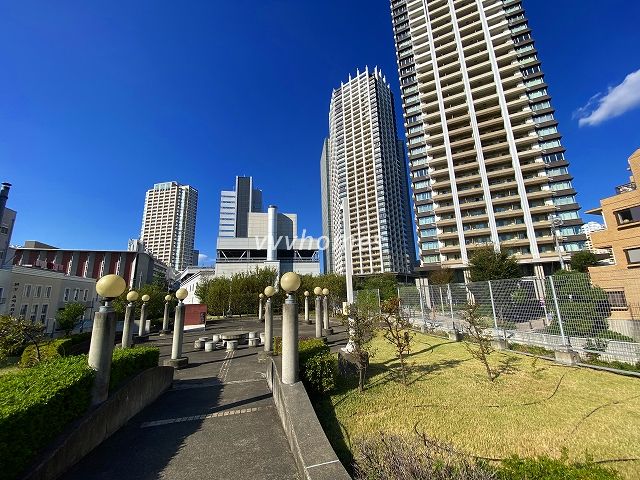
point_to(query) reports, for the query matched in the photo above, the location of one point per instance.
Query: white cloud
(618, 100)
(204, 260)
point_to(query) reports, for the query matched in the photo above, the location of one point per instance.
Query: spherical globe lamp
(325, 291)
(290, 282)
(111, 286)
(269, 291)
(167, 298)
(132, 296)
(306, 293)
(146, 298)
(261, 295)
(182, 293)
(317, 291)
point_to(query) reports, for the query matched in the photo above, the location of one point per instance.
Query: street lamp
(325, 311)
(268, 319)
(306, 306)
(127, 334)
(103, 336)
(142, 328)
(290, 283)
(318, 293)
(261, 297)
(165, 318)
(177, 360)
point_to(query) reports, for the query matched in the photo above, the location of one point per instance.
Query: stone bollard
(100, 351)
(165, 318)
(177, 360)
(232, 345)
(261, 338)
(254, 342)
(216, 338)
(290, 282)
(318, 316)
(253, 335)
(127, 333)
(268, 327)
(327, 330)
(209, 346)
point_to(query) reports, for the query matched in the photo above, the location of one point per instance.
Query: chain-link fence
(557, 312)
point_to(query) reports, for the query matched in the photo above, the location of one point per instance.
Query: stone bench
(254, 342)
(200, 343)
(209, 346)
(232, 344)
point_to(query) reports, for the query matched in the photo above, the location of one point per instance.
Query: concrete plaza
(218, 420)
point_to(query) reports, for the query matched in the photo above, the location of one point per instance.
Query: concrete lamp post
(268, 320)
(142, 328)
(290, 283)
(318, 293)
(177, 360)
(165, 319)
(261, 297)
(127, 333)
(325, 313)
(306, 306)
(103, 336)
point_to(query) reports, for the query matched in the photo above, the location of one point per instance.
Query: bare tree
(396, 328)
(480, 345)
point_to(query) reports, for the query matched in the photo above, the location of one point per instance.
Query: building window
(23, 311)
(560, 185)
(27, 291)
(43, 312)
(34, 313)
(547, 131)
(617, 299)
(550, 144)
(429, 245)
(572, 215)
(633, 255)
(38, 291)
(627, 215)
(426, 220)
(76, 293)
(47, 292)
(431, 258)
(423, 196)
(66, 295)
(85, 295)
(428, 232)
(425, 208)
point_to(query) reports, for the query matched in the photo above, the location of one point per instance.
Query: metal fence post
(493, 307)
(450, 300)
(555, 301)
(441, 301)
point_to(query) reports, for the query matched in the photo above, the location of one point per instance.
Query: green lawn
(9, 365)
(537, 408)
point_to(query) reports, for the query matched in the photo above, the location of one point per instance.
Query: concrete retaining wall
(313, 453)
(100, 423)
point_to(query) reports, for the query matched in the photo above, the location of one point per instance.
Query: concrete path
(218, 420)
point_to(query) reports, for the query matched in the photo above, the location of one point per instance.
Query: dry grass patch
(534, 407)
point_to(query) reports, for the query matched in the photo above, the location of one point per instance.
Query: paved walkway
(218, 420)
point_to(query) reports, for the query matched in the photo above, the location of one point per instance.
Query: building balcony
(627, 187)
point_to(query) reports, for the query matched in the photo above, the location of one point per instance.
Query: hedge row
(131, 361)
(318, 367)
(35, 406)
(48, 351)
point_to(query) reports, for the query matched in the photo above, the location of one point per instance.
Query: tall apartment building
(169, 223)
(235, 206)
(364, 162)
(486, 160)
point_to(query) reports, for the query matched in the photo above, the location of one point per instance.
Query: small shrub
(129, 362)
(80, 338)
(48, 351)
(320, 373)
(516, 468)
(532, 349)
(36, 404)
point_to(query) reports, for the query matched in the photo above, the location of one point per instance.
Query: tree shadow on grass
(508, 366)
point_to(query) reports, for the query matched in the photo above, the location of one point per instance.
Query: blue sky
(100, 100)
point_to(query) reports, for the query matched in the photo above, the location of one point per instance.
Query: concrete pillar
(272, 231)
(142, 328)
(306, 309)
(325, 315)
(127, 332)
(165, 320)
(268, 326)
(103, 337)
(318, 316)
(289, 341)
(260, 310)
(177, 360)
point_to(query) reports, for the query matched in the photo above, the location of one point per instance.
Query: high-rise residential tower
(169, 223)
(363, 161)
(235, 205)
(487, 163)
